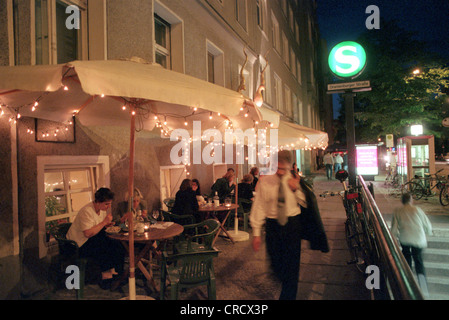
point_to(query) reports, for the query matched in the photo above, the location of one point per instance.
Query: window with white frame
(288, 111)
(65, 185)
(275, 33)
(260, 10)
(162, 42)
(53, 42)
(277, 91)
(215, 64)
(168, 38)
(286, 51)
(240, 12)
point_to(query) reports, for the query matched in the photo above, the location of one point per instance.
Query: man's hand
(107, 220)
(293, 182)
(257, 241)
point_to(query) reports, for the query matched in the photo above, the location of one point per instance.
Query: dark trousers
(329, 171)
(284, 249)
(414, 253)
(106, 252)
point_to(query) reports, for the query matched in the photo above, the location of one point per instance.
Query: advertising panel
(367, 163)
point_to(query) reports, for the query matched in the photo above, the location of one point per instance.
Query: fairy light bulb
(123, 107)
(66, 88)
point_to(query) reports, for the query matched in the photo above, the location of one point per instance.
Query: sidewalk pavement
(242, 274)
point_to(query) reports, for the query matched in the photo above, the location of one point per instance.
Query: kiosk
(416, 156)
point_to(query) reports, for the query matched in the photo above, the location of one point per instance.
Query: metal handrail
(398, 280)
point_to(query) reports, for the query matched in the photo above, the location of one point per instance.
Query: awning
(165, 97)
(295, 136)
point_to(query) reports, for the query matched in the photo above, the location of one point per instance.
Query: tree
(408, 86)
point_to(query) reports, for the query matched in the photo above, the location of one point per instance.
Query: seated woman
(138, 204)
(197, 189)
(245, 190)
(185, 200)
(88, 231)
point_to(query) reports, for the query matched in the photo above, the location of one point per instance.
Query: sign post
(347, 60)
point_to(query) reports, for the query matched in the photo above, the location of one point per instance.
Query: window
(215, 64)
(286, 50)
(298, 65)
(67, 190)
(288, 111)
(65, 185)
(260, 13)
(210, 67)
(53, 42)
(240, 12)
(168, 38)
(277, 90)
(162, 42)
(275, 34)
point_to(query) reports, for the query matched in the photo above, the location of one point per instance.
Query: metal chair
(69, 255)
(187, 270)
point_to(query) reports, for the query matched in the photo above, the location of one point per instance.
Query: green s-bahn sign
(347, 59)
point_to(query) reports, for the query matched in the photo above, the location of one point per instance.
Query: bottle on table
(216, 199)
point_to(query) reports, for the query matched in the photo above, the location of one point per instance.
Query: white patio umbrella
(143, 96)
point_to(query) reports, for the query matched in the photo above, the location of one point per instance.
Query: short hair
(406, 198)
(248, 178)
(103, 195)
(285, 156)
(254, 170)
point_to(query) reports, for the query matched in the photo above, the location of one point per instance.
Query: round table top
(160, 231)
(221, 207)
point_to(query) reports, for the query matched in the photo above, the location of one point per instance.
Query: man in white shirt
(338, 162)
(279, 203)
(328, 161)
(88, 231)
(411, 225)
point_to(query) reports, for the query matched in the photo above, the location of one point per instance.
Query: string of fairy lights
(144, 111)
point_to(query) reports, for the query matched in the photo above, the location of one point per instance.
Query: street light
(416, 129)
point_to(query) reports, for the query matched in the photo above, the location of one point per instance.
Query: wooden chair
(69, 255)
(187, 270)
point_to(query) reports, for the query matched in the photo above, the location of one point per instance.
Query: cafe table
(212, 211)
(161, 231)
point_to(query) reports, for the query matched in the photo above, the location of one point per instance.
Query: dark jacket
(221, 186)
(185, 203)
(312, 228)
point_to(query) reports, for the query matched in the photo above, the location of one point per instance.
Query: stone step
(436, 255)
(438, 242)
(437, 269)
(438, 285)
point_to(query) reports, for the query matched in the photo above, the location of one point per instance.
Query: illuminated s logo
(347, 59)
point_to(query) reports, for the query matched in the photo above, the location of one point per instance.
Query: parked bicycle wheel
(415, 189)
(444, 195)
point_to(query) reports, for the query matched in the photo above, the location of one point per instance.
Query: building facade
(226, 42)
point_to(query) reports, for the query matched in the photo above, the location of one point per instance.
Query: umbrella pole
(236, 234)
(132, 279)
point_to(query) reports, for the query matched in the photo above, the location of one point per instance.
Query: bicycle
(420, 187)
(356, 228)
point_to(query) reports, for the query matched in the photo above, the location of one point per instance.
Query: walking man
(329, 164)
(288, 207)
(411, 225)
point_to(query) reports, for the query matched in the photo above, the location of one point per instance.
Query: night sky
(341, 20)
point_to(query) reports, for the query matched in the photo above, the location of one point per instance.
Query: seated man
(88, 231)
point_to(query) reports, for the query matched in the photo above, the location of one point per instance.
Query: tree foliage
(400, 97)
